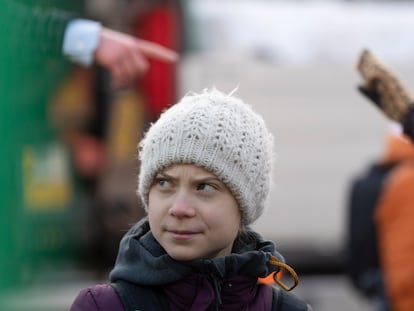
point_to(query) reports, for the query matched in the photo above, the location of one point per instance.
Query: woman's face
(192, 214)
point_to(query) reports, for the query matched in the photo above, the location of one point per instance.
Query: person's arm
(386, 91)
(50, 32)
(394, 219)
(100, 297)
(84, 301)
(33, 31)
(123, 55)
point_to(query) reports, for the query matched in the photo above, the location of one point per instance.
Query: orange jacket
(395, 223)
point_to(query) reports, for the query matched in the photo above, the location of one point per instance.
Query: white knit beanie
(219, 133)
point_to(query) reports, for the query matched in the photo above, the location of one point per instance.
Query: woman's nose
(182, 206)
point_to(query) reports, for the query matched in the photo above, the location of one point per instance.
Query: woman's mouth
(182, 234)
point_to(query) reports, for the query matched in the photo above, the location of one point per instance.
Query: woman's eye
(162, 182)
(205, 187)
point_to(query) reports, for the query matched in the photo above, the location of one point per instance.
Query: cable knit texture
(220, 133)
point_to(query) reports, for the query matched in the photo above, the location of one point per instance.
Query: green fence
(37, 190)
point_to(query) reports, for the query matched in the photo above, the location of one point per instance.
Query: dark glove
(387, 93)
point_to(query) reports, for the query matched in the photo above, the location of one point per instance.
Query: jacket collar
(142, 260)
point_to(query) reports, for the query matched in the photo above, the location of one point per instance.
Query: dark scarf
(230, 281)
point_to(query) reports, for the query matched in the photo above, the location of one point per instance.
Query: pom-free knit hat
(219, 133)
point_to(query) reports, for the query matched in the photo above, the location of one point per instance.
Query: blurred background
(68, 141)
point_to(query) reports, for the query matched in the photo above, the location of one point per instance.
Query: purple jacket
(184, 296)
(100, 297)
(227, 283)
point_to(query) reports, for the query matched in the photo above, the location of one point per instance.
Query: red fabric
(158, 85)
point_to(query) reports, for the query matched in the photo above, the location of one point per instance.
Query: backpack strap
(140, 298)
(285, 301)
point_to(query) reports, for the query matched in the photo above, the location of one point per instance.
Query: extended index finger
(157, 51)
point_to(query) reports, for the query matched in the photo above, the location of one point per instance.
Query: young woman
(205, 176)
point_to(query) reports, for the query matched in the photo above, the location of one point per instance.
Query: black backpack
(361, 256)
(142, 298)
